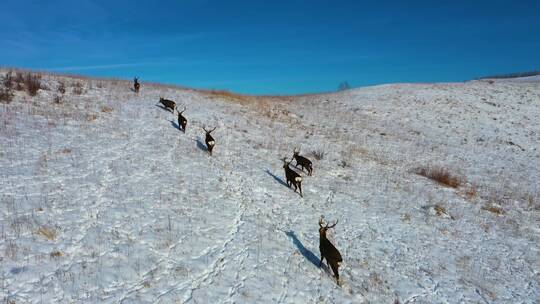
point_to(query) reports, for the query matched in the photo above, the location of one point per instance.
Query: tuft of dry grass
(494, 209)
(56, 254)
(318, 154)
(91, 117)
(106, 109)
(442, 176)
(48, 233)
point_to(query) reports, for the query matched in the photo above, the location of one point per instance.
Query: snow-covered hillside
(104, 200)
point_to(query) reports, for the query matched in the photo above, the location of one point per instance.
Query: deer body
(210, 142)
(168, 104)
(136, 84)
(182, 121)
(328, 250)
(303, 162)
(292, 177)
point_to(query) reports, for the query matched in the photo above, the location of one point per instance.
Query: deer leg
(322, 258)
(335, 269)
(300, 187)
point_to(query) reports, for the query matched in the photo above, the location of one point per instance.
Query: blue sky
(272, 47)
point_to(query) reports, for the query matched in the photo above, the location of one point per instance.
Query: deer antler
(213, 129)
(332, 226)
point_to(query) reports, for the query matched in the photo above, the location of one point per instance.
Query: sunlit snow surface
(104, 200)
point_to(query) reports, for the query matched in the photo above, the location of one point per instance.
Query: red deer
(303, 162)
(182, 121)
(210, 142)
(136, 84)
(168, 104)
(328, 251)
(292, 177)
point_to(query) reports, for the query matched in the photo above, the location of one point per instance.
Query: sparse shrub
(57, 99)
(19, 77)
(344, 86)
(32, 83)
(318, 154)
(77, 88)
(8, 80)
(343, 164)
(61, 87)
(6, 95)
(441, 176)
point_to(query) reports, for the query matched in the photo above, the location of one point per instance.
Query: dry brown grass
(227, 96)
(91, 117)
(493, 209)
(56, 254)
(61, 87)
(318, 154)
(6, 95)
(32, 82)
(442, 176)
(77, 88)
(47, 232)
(106, 109)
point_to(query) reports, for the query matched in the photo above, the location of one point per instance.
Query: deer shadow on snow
(175, 125)
(162, 107)
(201, 145)
(278, 179)
(308, 254)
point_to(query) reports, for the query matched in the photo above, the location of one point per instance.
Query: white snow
(104, 200)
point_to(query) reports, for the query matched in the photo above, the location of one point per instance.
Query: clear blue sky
(272, 47)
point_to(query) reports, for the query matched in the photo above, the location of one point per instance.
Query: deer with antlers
(303, 162)
(168, 104)
(182, 121)
(328, 251)
(136, 84)
(292, 177)
(210, 142)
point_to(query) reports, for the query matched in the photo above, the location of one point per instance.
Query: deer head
(286, 163)
(180, 112)
(208, 132)
(324, 227)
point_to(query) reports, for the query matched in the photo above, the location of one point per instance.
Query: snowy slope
(104, 200)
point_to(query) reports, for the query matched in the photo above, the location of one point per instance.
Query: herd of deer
(327, 249)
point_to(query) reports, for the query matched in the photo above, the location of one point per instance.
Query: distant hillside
(512, 75)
